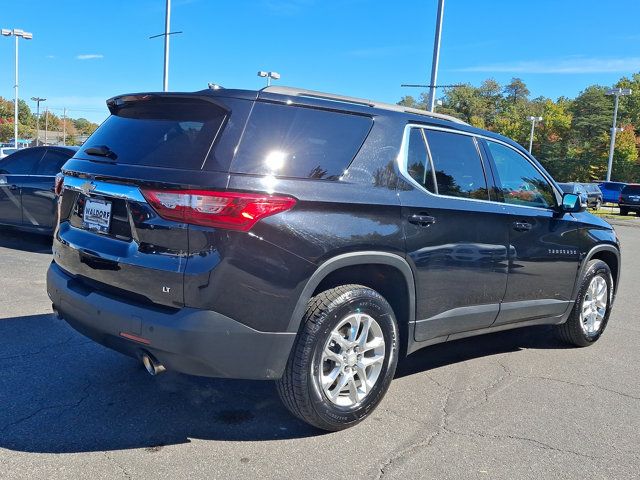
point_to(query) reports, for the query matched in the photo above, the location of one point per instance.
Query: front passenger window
(521, 183)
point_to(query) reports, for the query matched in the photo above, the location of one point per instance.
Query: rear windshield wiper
(101, 151)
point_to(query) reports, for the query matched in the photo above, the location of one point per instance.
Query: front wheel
(591, 311)
(344, 358)
(624, 211)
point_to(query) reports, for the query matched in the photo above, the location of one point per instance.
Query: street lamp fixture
(17, 33)
(533, 121)
(616, 92)
(38, 100)
(269, 76)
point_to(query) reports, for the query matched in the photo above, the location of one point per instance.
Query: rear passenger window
(299, 142)
(459, 171)
(418, 164)
(52, 162)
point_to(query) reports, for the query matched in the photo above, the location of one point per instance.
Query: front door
(456, 237)
(543, 243)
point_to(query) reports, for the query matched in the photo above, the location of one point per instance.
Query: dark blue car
(611, 191)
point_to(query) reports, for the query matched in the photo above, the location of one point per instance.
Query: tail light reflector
(59, 182)
(231, 210)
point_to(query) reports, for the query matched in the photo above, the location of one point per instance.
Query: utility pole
(64, 126)
(167, 25)
(617, 92)
(436, 56)
(38, 100)
(533, 121)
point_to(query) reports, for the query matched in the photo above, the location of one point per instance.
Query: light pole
(436, 56)
(16, 32)
(533, 121)
(167, 23)
(617, 92)
(269, 76)
(38, 100)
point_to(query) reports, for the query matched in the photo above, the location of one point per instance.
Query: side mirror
(572, 203)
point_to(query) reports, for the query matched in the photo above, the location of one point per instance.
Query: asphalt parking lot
(510, 405)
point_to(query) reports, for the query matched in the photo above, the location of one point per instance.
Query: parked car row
(589, 193)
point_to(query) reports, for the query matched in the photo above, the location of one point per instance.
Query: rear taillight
(57, 186)
(231, 210)
(620, 199)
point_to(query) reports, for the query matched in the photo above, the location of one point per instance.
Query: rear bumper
(630, 206)
(192, 341)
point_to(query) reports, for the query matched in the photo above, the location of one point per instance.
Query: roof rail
(300, 92)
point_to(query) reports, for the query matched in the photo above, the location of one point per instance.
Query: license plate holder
(97, 215)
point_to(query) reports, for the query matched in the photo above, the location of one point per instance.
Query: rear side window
(458, 166)
(173, 133)
(52, 162)
(299, 142)
(22, 162)
(633, 189)
(418, 164)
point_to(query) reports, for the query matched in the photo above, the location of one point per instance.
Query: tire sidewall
(598, 269)
(366, 301)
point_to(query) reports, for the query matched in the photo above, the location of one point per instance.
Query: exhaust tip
(151, 365)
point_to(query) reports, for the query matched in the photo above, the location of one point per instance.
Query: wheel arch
(350, 268)
(609, 254)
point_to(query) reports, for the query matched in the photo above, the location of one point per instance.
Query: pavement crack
(538, 443)
(65, 407)
(121, 467)
(40, 350)
(584, 385)
(421, 441)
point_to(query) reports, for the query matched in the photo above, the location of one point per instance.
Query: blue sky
(86, 51)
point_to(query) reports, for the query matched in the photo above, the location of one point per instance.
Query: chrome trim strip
(403, 158)
(116, 190)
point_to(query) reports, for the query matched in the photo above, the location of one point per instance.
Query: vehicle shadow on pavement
(62, 393)
(25, 241)
(439, 355)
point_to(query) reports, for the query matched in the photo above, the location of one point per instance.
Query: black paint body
(467, 272)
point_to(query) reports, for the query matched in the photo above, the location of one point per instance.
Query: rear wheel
(344, 358)
(624, 211)
(597, 205)
(592, 308)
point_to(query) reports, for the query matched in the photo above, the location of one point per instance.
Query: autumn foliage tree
(572, 141)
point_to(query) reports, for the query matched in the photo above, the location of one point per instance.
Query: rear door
(455, 233)
(38, 198)
(544, 247)
(14, 174)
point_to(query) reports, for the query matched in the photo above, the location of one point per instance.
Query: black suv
(314, 239)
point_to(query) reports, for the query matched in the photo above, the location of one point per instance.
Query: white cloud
(89, 56)
(51, 56)
(566, 65)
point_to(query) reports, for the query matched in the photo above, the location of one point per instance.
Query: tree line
(75, 127)
(572, 141)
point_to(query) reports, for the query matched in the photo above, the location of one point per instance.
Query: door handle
(422, 220)
(521, 226)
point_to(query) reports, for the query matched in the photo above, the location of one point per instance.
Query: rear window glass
(160, 133)
(52, 162)
(631, 189)
(299, 142)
